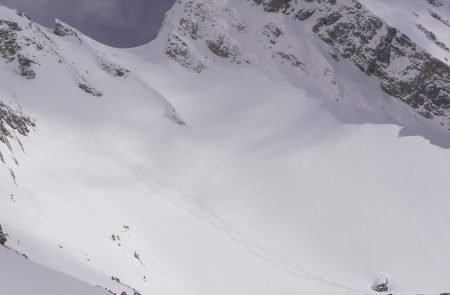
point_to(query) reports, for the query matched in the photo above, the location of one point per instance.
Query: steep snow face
(201, 32)
(19, 276)
(293, 173)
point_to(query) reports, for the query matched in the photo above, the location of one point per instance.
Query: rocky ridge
(26, 44)
(214, 31)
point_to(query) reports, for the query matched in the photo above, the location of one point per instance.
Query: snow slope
(21, 277)
(290, 173)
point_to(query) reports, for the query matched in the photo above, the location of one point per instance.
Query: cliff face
(204, 32)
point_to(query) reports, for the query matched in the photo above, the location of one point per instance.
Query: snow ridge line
(201, 211)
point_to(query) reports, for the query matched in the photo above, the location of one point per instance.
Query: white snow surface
(22, 277)
(283, 180)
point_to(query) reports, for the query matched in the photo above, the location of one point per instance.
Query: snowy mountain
(254, 147)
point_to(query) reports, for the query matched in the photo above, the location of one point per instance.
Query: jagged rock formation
(63, 30)
(405, 70)
(179, 50)
(198, 34)
(352, 32)
(12, 124)
(25, 66)
(23, 42)
(9, 46)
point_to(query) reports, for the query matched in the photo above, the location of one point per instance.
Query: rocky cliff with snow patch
(204, 32)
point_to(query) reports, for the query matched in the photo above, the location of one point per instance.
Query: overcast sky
(120, 23)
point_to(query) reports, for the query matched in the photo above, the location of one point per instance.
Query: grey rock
(9, 46)
(178, 49)
(15, 120)
(432, 36)
(304, 14)
(381, 285)
(3, 237)
(219, 47)
(435, 3)
(405, 71)
(439, 18)
(114, 69)
(26, 67)
(90, 90)
(64, 31)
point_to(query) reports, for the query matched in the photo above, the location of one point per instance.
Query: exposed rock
(221, 48)
(13, 120)
(90, 90)
(9, 46)
(64, 30)
(381, 285)
(12, 124)
(435, 3)
(439, 18)
(191, 27)
(274, 5)
(432, 36)
(23, 14)
(304, 14)
(113, 69)
(272, 31)
(3, 237)
(293, 60)
(25, 67)
(179, 50)
(405, 70)
(12, 47)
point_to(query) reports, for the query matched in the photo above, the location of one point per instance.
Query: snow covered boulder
(381, 285)
(63, 30)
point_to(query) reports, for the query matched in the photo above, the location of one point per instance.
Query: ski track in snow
(201, 211)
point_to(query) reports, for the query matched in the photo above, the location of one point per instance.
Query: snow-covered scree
(238, 153)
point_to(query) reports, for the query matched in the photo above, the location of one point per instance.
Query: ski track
(201, 211)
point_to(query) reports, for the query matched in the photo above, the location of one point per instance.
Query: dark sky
(120, 23)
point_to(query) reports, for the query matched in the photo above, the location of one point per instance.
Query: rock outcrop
(3, 237)
(13, 124)
(405, 70)
(381, 285)
(212, 31)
